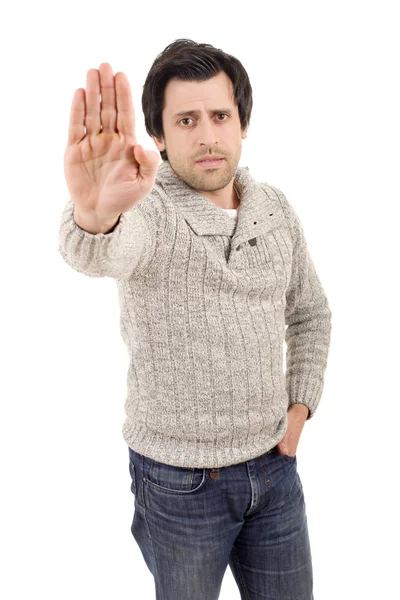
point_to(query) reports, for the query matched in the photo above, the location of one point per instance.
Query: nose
(207, 133)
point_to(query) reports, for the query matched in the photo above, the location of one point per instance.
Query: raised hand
(106, 170)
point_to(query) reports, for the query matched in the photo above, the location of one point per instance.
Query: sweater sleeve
(127, 249)
(308, 321)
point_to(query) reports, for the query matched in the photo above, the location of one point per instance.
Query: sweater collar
(258, 211)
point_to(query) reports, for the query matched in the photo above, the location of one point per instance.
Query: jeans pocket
(276, 452)
(289, 456)
(173, 480)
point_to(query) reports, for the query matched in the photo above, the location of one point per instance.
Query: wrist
(93, 224)
(300, 410)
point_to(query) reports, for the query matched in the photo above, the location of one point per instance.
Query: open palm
(106, 171)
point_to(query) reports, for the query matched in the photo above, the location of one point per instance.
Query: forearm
(111, 248)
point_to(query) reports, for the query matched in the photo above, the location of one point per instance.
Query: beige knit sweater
(206, 305)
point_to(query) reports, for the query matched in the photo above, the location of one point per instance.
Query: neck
(232, 202)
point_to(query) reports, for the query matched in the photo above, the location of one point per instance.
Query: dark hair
(186, 60)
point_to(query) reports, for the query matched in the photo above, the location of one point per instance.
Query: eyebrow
(196, 112)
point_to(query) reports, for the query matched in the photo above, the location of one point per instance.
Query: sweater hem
(201, 454)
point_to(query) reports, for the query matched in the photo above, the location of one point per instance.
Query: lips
(210, 157)
(210, 163)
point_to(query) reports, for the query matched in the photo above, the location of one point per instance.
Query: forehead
(181, 95)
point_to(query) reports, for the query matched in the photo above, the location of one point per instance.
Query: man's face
(214, 128)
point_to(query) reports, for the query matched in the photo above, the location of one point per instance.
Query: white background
(325, 130)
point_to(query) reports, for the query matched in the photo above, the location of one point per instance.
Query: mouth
(209, 164)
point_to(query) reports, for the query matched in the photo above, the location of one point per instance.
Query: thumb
(147, 159)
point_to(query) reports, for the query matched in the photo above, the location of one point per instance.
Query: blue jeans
(190, 523)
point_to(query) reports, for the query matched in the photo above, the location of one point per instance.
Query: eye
(189, 118)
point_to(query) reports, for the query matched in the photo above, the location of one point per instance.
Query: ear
(244, 132)
(159, 142)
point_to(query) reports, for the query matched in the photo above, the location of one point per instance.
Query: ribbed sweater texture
(206, 304)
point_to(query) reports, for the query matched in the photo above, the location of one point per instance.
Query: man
(211, 266)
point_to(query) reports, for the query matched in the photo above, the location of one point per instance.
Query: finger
(148, 160)
(125, 108)
(76, 128)
(92, 118)
(108, 111)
